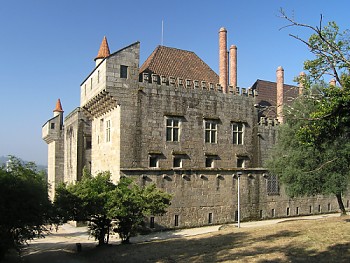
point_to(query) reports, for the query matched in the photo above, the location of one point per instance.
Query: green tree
(88, 201)
(331, 49)
(313, 151)
(307, 169)
(98, 201)
(132, 203)
(24, 204)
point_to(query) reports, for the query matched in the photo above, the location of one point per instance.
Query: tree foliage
(25, 208)
(312, 155)
(132, 203)
(307, 169)
(88, 201)
(103, 205)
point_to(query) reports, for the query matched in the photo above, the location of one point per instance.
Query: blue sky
(47, 48)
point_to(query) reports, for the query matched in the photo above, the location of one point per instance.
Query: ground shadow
(227, 245)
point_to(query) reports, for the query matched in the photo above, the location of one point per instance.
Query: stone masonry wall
(156, 103)
(77, 132)
(198, 193)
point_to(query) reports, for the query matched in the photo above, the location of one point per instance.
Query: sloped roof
(103, 52)
(178, 63)
(267, 95)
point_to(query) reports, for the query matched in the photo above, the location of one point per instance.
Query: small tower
(103, 52)
(53, 135)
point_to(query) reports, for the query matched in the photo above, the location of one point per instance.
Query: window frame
(212, 161)
(172, 131)
(238, 131)
(211, 131)
(178, 158)
(153, 158)
(272, 185)
(123, 71)
(108, 130)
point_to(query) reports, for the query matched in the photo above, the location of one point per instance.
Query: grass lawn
(322, 240)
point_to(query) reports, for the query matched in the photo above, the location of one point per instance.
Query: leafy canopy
(24, 204)
(103, 204)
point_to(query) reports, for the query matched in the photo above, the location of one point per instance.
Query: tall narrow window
(273, 212)
(123, 72)
(211, 131)
(176, 223)
(210, 218)
(172, 129)
(238, 132)
(108, 131)
(272, 185)
(151, 222)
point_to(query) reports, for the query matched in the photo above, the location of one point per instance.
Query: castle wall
(106, 152)
(197, 193)
(55, 165)
(129, 137)
(94, 83)
(266, 139)
(192, 107)
(77, 144)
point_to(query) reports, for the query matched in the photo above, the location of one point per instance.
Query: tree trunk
(341, 205)
(107, 239)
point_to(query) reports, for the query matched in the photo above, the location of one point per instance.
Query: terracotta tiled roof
(104, 49)
(58, 106)
(178, 63)
(267, 95)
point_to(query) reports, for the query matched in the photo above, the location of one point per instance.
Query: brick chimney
(279, 101)
(233, 66)
(302, 77)
(223, 59)
(333, 82)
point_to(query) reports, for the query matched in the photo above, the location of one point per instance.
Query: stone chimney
(302, 77)
(279, 101)
(233, 66)
(333, 82)
(223, 59)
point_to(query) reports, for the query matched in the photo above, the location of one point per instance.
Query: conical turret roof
(58, 106)
(104, 49)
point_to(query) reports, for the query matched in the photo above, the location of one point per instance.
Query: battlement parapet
(265, 121)
(193, 84)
